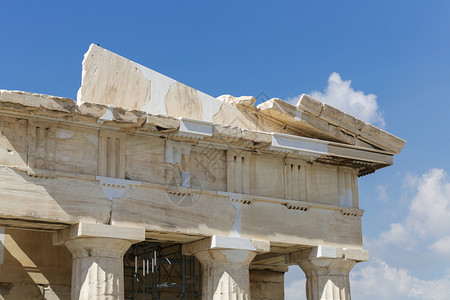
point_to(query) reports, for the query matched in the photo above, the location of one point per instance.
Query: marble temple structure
(145, 188)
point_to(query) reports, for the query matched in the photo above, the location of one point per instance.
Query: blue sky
(396, 51)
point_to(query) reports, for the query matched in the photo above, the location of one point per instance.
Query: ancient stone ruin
(145, 188)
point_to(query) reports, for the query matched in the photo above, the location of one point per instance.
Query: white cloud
(442, 245)
(421, 239)
(428, 217)
(429, 212)
(397, 235)
(410, 181)
(295, 290)
(377, 280)
(400, 254)
(341, 95)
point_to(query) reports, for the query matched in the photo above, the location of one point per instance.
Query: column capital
(327, 252)
(88, 230)
(97, 247)
(217, 242)
(327, 270)
(225, 261)
(97, 258)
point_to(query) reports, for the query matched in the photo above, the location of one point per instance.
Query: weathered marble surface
(327, 271)
(97, 254)
(225, 262)
(111, 79)
(140, 155)
(266, 285)
(238, 179)
(31, 267)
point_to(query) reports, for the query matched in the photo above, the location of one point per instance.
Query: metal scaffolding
(160, 271)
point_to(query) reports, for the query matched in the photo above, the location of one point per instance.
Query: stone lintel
(87, 230)
(54, 109)
(226, 243)
(326, 252)
(271, 259)
(267, 284)
(273, 268)
(306, 146)
(193, 128)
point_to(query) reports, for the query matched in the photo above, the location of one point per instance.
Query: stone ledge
(87, 230)
(329, 123)
(226, 243)
(57, 109)
(327, 252)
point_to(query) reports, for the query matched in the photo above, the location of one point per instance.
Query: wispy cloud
(295, 290)
(397, 235)
(442, 245)
(341, 95)
(382, 193)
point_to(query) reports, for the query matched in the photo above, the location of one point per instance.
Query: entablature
(194, 213)
(57, 110)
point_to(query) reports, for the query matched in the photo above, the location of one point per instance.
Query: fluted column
(97, 268)
(97, 253)
(327, 271)
(225, 262)
(327, 279)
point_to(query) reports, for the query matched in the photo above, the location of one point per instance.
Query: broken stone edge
(133, 121)
(330, 123)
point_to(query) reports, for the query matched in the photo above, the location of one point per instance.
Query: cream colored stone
(88, 230)
(19, 290)
(13, 142)
(70, 159)
(57, 292)
(327, 279)
(97, 270)
(31, 101)
(353, 254)
(350, 123)
(112, 79)
(318, 120)
(310, 104)
(225, 262)
(97, 253)
(68, 197)
(327, 270)
(29, 257)
(331, 114)
(161, 123)
(266, 285)
(153, 158)
(245, 101)
(381, 138)
(183, 101)
(279, 108)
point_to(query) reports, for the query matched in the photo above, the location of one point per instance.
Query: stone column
(97, 253)
(327, 271)
(225, 262)
(267, 284)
